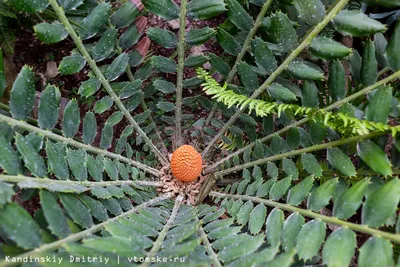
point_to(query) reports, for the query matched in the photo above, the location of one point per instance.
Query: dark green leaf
(50, 33)
(75, 208)
(369, 65)
(311, 165)
(339, 248)
(280, 31)
(321, 196)
(103, 104)
(240, 248)
(381, 204)
(164, 86)
(28, 5)
(257, 218)
(310, 95)
(22, 96)
(274, 226)
(70, 4)
(165, 9)
(56, 157)
(18, 226)
(33, 161)
(264, 57)
(71, 119)
(96, 208)
(356, 23)
(126, 14)
(105, 46)
(279, 188)
(48, 107)
(303, 71)
(6, 193)
(129, 89)
(195, 61)
(54, 214)
(199, 36)
(89, 87)
(117, 67)
(238, 15)
(311, 12)
(162, 37)
(291, 228)
(392, 55)
(328, 49)
(111, 169)
(336, 80)
(247, 76)
(165, 106)
(9, 159)
(300, 191)
(281, 93)
(310, 238)
(164, 64)
(71, 64)
(131, 36)
(379, 106)
(112, 206)
(91, 24)
(89, 128)
(205, 9)
(95, 167)
(77, 163)
(349, 202)
(340, 161)
(374, 157)
(106, 136)
(243, 215)
(376, 252)
(228, 42)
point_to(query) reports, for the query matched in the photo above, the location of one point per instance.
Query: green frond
(344, 124)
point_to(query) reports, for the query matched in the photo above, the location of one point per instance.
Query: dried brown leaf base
(188, 190)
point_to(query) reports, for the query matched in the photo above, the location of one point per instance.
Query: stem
(157, 245)
(208, 247)
(179, 75)
(77, 40)
(89, 184)
(78, 236)
(353, 226)
(329, 173)
(383, 71)
(305, 120)
(306, 41)
(239, 58)
(297, 152)
(205, 188)
(31, 120)
(71, 142)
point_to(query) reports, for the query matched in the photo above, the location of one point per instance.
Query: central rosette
(186, 163)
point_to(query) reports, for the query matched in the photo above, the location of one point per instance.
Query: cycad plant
(299, 140)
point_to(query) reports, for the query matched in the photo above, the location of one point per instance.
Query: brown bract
(186, 163)
(188, 190)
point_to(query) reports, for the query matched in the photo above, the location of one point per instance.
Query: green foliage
(316, 167)
(339, 121)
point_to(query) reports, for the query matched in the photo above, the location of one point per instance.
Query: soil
(32, 52)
